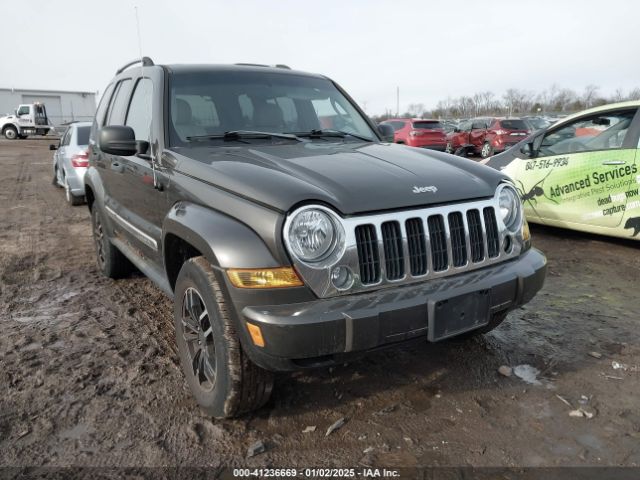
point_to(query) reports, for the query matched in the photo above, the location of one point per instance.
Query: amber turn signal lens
(256, 334)
(526, 234)
(282, 277)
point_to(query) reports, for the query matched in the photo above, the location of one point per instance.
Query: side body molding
(225, 242)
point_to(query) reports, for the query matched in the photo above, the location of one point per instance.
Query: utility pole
(397, 101)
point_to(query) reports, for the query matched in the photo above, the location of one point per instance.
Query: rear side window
(513, 125)
(139, 115)
(82, 137)
(119, 103)
(428, 125)
(104, 103)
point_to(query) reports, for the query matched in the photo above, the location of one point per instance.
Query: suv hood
(351, 177)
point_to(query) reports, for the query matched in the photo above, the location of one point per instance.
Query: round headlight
(312, 235)
(509, 205)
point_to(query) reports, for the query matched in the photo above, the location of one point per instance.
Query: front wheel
(10, 132)
(223, 380)
(487, 150)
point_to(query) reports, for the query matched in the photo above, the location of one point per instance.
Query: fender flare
(224, 241)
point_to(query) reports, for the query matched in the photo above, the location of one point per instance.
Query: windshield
(215, 102)
(428, 125)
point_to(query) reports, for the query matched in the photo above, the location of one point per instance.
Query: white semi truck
(28, 119)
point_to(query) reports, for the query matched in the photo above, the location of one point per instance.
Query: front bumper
(326, 331)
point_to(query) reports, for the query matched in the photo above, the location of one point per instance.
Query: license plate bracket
(455, 315)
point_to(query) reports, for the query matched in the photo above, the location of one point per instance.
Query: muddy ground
(90, 376)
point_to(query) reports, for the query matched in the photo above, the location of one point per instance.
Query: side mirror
(53, 147)
(456, 130)
(387, 132)
(117, 140)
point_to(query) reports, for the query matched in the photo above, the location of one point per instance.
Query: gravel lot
(90, 373)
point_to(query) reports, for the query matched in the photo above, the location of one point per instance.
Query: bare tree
(589, 95)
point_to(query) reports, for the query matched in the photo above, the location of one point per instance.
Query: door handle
(116, 167)
(614, 162)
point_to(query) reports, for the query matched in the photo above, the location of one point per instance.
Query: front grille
(429, 244)
(368, 255)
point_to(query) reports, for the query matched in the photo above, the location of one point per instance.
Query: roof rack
(278, 65)
(146, 62)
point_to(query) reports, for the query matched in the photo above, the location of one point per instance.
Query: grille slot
(438, 238)
(368, 255)
(417, 246)
(475, 235)
(393, 254)
(458, 241)
(491, 226)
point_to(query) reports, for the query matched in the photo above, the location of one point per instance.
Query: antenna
(139, 38)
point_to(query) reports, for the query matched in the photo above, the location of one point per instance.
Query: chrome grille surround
(318, 277)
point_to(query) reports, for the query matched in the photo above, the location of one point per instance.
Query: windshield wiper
(317, 133)
(240, 134)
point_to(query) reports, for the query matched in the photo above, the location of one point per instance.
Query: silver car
(70, 161)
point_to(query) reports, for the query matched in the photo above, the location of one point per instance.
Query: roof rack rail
(278, 65)
(146, 62)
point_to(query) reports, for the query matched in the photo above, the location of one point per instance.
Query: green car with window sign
(582, 172)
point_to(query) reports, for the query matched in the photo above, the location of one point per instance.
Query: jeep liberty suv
(287, 229)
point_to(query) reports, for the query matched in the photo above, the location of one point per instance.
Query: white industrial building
(62, 106)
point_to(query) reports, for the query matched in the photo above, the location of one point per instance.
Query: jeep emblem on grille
(430, 188)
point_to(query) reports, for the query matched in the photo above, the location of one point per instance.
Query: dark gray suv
(288, 231)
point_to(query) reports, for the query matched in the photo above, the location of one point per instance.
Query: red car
(418, 132)
(486, 136)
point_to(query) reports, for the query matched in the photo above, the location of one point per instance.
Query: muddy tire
(111, 262)
(10, 132)
(223, 380)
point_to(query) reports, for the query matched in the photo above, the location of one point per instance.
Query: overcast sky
(429, 49)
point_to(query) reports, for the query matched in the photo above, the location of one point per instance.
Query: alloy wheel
(198, 336)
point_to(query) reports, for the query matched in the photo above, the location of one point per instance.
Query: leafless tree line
(514, 101)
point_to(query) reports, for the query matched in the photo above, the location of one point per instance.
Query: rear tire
(111, 262)
(448, 148)
(223, 380)
(487, 150)
(10, 132)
